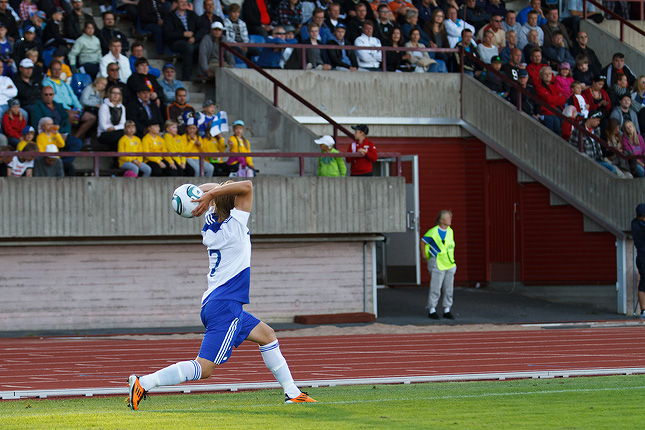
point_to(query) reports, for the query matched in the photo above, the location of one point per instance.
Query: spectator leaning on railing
(548, 93)
(362, 166)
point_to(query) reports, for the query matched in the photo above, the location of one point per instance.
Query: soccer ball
(182, 199)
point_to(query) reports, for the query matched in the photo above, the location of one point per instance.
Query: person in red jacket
(596, 96)
(13, 122)
(548, 93)
(362, 166)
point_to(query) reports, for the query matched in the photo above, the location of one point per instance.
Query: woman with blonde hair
(92, 95)
(633, 145)
(614, 140)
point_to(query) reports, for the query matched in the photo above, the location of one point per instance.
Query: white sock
(446, 310)
(172, 375)
(278, 366)
(432, 310)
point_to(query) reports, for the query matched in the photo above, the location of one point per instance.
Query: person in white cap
(28, 89)
(50, 165)
(209, 51)
(330, 166)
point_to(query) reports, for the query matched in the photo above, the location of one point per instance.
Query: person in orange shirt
(400, 7)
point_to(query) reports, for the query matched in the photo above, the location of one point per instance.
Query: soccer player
(226, 235)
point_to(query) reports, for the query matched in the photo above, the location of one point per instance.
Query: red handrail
(300, 155)
(623, 21)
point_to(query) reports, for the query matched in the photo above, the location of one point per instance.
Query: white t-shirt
(18, 168)
(229, 256)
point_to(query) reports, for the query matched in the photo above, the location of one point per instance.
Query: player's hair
(223, 204)
(441, 214)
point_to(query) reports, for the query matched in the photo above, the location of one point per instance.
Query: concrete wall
(604, 40)
(143, 285)
(360, 94)
(571, 175)
(41, 208)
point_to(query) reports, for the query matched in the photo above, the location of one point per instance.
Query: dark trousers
(640, 265)
(187, 52)
(111, 138)
(156, 168)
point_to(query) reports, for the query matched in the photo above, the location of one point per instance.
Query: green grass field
(614, 402)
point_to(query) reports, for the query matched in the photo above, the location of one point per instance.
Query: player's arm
(243, 192)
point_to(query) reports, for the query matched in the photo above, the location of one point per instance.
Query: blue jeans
(158, 35)
(639, 172)
(608, 166)
(553, 123)
(440, 67)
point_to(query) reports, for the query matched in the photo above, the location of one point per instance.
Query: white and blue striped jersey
(229, 256)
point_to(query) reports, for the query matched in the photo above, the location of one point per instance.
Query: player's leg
(265, 337)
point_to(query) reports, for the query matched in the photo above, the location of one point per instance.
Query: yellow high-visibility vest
(446, 255)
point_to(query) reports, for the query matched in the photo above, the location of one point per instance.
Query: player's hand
(204, 203)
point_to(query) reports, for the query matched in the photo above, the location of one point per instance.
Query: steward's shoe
(135, 392)
(448, 316)
(433, 316)
(302, 398)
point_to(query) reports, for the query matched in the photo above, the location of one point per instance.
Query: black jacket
(150, 11)
(173, 29)
(72, 28)
(335, 56)
(106, 34)
(28, 93)
(136, 112)
(251, 14)
(10, 22)
(52, 36)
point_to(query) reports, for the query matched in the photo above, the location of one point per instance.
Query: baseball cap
(168, 66)
(325, 140)
(217, 24)
(640, 209)
(362, 127)
(522, 73)
(143, 88)
(59, 10)
(30, 29)
(238, 122)
(565, 66)
(208, 103)
(41, 14)
(289, 29)
(340, 25)
(51, 149)
(495, 59)
(14, 102)
(26, 63)
(28, 129)
(191, 121)
(595, 114)
(599, 78)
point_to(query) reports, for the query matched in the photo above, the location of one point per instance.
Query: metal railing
(623, 21)
(383, 156)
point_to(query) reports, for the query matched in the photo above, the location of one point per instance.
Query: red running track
(58, 363)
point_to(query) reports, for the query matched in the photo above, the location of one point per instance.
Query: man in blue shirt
(535, 5)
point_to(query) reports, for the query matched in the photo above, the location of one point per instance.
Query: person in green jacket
(330, 166)
(438, 249)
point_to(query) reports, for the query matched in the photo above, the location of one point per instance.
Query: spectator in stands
(511, 45)
(108, 32)
(397, 61)
(425, 8)
(179, 34)
(533, 41)
(399, 8)
(436, 30)
(257, 17)
(564, 80)
(193, 143)
(492, 80)
(209, 51)
(28, 136)
(614, 139)
(238, 143)
(348, 8)
(50, 165)
(27, 42)
(535, 65)
(169, 83)
(8, 91)
(411, 22)
(548, 93)
(510, 22)
(341, 59)
(577, 100)
(633, 145)
(470, 67)
(531, 24)
(9, 21)
(529, 107)
(618, 90)
(27, 89)
(552, 26)
(6, 49)
(455, 27)
(211, 14)
(591, 147)
(111, 116)
(362, 166)
(368, 59)
(154, 142)
(499, 35)
(63, 92)
(142, 77)
(475, 14)
(314, 56)
(617, 66)
(596, 97)
(329, 166)
(638, 94)
(27, 9)
(535, 6)
(487, 49)
(236, 30)
(143, 111)
(114, 56)
(86, 52)
(421, 61)
(76, 20)
(582, 73)
(318, 18)
(622, 111)
(270, 57)
(556, 52)
(22, 165)
(13, 122)
(131, 143)
(355, 25)
(53, 32)
(579, 47)
(151, 17)
(173, 142)
(136, 53)
(114, 81)
(49, 134)
(289, 12)
(573, 9)
(514, 64)
(179, 109)
(333, 16)
(92, 95)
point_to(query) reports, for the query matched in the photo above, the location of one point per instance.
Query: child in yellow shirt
(153, 142)
(28, 135)
(174, 143)
(131, 143)
(194, 143)
(237, 143)
(49, 134)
